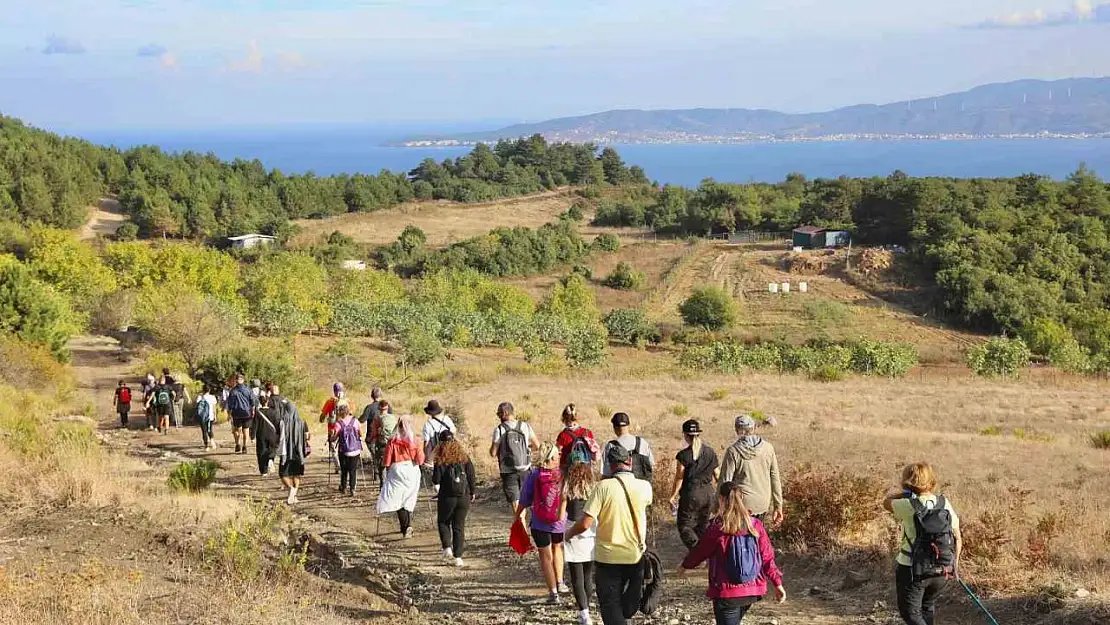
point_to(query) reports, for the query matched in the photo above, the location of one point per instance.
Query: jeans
(348, 469)
(124, 411)
(917, 599)
(619, 588)
(694, 510)
(581, 582)
(731, 611)
(451, 520)
(206, 432)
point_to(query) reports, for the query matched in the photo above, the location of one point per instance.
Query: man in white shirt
(437, 422)
(643, 460)
(512, 444)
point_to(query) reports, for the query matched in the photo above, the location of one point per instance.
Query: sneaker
(459, 562)
(351, 493)
(563, 588)
(237, 447)
(150, 428)
(553, 598)
(447, 553)
(584, 618)
(408, 533)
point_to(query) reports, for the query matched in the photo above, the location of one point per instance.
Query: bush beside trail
(821, 360)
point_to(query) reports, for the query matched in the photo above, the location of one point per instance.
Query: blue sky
(105, 64)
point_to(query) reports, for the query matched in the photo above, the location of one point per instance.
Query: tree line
(50, 180)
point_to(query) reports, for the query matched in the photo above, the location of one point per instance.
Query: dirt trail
(104, 219)
(495, 587)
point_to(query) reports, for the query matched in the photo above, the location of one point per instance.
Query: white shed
(250, 240)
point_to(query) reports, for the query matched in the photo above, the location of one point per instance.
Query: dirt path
(104, 219)
(495, 586)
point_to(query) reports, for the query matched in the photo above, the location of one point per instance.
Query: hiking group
(584, 507)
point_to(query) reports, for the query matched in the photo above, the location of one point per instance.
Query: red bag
(519, 539)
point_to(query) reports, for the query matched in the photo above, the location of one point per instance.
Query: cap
(691, 426)
(620, 419)
(617, 455)
(446, 436)
(745, 421)
(256, 382)
(337, 387)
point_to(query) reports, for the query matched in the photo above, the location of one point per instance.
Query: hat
(620, 419)
(256, 382)
(337, 388)
(432, 409)
(691, 426)
(446, 436)
(617, 455)
(745, 422)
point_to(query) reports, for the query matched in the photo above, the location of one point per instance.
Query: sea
(328, 151)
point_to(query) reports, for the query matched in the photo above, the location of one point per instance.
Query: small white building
(357, 265)
(250, 240)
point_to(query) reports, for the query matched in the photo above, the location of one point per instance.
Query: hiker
(643, 460)
(161, 401)
(404, 455)
(542, 491)
(692, 495)
(751, 462)
(579, 551)
(329, 413)
(122, 402)
(741, 558)
(381, 430)
(240, 405)
(148, 391)
(436, 423)
(929, 553)
(206, 416)
(618, 508)
(265, 427)
(293, 444)
(512, 445)
(349, 448)
(576, 443)
(370, 412)
(453, 480)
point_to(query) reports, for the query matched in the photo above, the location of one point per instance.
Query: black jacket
(454, 480)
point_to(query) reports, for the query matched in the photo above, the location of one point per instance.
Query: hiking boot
(563, 588)
(237, 448)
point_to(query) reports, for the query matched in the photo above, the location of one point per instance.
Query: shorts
(291, 468)
(163, 411)
(546, 539)
(241, 424)
(510, 485)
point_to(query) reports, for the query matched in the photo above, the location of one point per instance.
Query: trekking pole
(978, 602)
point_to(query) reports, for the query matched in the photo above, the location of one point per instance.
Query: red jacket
(566, 438)
(713, 547)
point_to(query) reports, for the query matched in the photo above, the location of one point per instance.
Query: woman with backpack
(402, 460)
(542, 491)
(576, 444)
(206, 416)
(741, 558)
(453, 481)
(579, 551)
(350, 448)
(929, 552)
(161, 401)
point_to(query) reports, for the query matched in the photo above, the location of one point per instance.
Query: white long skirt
(400, 489)
(581, 547)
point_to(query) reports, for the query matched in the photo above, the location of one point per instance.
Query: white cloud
(255, 62)
(250, 64)
(62, 45)
(1081, 12)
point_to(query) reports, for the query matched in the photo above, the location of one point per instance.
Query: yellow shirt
(903, 512)
(616, 534)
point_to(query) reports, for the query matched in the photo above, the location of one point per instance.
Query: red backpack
(125, 395)
(547, 500)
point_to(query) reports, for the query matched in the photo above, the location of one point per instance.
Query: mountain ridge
(1028, 107)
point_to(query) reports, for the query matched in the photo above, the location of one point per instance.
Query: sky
(81, 65)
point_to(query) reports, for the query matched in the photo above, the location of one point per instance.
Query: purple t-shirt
(527, 498)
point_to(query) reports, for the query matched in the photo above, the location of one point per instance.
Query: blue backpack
(743, 562)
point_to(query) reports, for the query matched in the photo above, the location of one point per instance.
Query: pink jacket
(713, 547)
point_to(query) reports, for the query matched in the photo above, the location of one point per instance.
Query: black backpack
(641, 464)
(933, 552)
(452, 482)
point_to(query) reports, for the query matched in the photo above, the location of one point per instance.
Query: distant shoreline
(745, 140)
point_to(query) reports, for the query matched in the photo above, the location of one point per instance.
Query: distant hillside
(1078, 106)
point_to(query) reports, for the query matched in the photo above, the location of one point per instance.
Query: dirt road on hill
(104, 219)
(495, 587)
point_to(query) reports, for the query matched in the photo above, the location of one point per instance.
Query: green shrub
(718, 394)
(35, 312)
(419, 348)
(193, 476)
(710, 308)
(827, 373)
(536, 351)
(607, 242)
(999, 357)
(892, 360)
(270, 363)
(586, 346)
(604, 412)
(625, 278)
(127, 231)
(629, 325)
(576, 212)
(991, 430)
(1101, 439)
(680, 410)
(823, 310)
